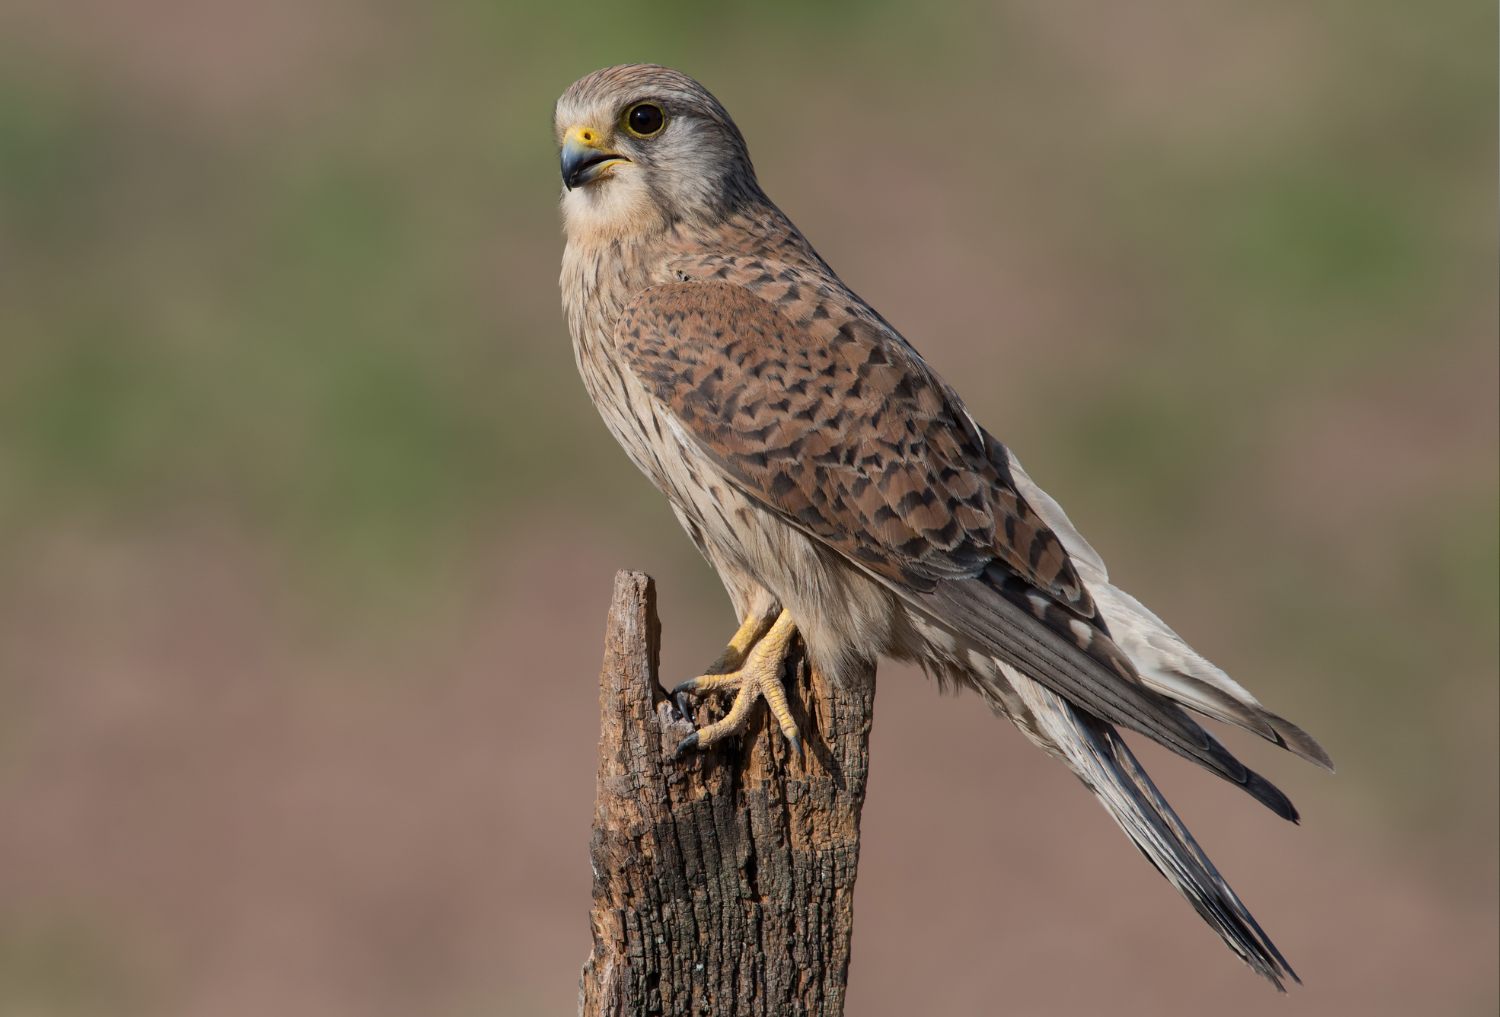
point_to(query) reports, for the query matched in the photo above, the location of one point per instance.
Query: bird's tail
(1094, 750)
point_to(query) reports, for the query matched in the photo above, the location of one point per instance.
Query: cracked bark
(724, 882)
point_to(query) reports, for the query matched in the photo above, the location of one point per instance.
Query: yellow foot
(758, 676)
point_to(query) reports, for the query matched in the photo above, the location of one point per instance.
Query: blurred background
(307, 526)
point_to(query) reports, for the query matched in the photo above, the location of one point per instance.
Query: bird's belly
(846, 617)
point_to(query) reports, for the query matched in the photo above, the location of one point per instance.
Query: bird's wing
(848, 435)
(841, 434)
(1163, 659)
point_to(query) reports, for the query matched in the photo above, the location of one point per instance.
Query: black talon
(684, 704)
(690, 742)
(796, 741)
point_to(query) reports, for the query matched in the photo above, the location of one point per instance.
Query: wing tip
(1299, 743)
(1210, 700)
(1272, 797)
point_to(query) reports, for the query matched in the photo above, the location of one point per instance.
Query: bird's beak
(584, 157)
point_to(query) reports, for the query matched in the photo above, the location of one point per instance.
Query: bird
(844, 493)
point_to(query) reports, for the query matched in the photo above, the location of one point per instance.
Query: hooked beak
(584, 157)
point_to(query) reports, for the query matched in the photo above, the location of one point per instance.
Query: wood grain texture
(723, 882)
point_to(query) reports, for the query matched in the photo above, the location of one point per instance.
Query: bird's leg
(759, 674)
(750, 632)
(720, 672)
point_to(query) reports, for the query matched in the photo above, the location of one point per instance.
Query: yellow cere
(585, 136)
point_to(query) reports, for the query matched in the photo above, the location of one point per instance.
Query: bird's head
(644, 147)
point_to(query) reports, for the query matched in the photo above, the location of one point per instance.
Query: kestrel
(842, 490)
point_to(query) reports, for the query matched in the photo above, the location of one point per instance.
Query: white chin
(615, 206)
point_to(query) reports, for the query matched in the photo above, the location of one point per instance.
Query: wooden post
(724, 882)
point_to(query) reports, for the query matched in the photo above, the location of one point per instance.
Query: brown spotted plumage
(841, 488)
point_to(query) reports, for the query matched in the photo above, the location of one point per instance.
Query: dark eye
(644, 119)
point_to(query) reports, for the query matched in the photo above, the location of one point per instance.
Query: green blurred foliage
(62, 966)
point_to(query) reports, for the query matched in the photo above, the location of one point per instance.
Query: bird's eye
(644, 119)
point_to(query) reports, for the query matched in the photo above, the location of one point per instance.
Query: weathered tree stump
(723, 882)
